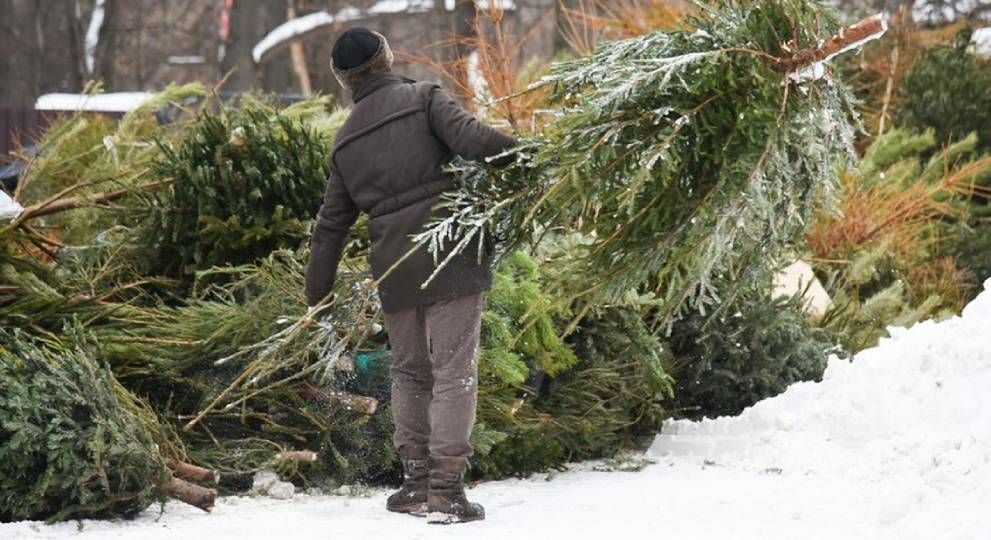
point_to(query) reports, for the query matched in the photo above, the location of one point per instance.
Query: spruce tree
(73, 442)
(685, 158)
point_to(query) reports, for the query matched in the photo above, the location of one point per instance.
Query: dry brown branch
(298, 54)
(900, 214)
(583, 25)
(55, 204)
(888, 90)
(497, 54)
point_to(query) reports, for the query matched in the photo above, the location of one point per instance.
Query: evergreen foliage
(609, 400)
(231, 357)
(620, 383)
(684, 156)
(969, 244)
(509, 437)
(244, 183)
(755, 350)
(85, 154)
(883, 258)
(949, 90)
(868, 296)
(517, 291)
(73, 442)
(676, 163)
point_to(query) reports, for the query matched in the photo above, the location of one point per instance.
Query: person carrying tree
(388, 161)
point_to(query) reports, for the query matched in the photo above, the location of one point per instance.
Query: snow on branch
(281, 35)
(111, 102)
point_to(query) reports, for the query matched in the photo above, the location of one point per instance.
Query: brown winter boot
(412, 496)
(447, 502)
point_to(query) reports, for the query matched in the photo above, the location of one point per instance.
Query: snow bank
(910, 419)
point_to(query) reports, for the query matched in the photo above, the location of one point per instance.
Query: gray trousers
(435, 374)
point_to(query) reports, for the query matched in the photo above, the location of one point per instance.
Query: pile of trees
(158, 268)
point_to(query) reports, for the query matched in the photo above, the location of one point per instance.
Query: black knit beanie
(355, 47)
(359, 54)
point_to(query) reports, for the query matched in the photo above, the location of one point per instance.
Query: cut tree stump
(299, 456)
(851, 36)
(188, 471)
(189, 493)
(363, 404)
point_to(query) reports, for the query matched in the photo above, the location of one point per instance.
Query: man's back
(387, 147)
(388, 161)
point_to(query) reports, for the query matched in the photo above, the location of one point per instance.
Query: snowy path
(684, 501)
(893, 446)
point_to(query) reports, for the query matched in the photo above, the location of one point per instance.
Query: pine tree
(685, 158)
(244, 183)
(73, 442)
(755, 350)
(883, 255)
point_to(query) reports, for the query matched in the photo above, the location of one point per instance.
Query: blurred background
(64, 46)
(61, 46)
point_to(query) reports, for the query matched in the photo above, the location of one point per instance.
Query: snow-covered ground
(894, 445)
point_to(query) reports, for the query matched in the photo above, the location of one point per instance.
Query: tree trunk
(868, 28)
(189, 471)
(105, 55)
(298, 53)
(75, 45)
(20, 53)
(538, 26)
(277, 74)
(237, 56)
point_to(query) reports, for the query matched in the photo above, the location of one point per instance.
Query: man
(387, 161)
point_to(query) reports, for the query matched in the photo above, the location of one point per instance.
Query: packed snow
(895, 444)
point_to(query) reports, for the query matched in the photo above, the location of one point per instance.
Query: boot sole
(443, 518)
(416, 509)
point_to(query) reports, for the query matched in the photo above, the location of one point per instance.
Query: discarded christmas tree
(686, 158)
(74, 443)
(883, 255)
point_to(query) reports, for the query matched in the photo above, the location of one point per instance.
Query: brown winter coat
(387, 162)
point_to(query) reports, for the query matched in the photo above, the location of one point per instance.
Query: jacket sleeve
(463, 133)
(336, 216)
